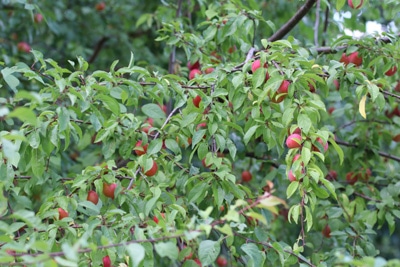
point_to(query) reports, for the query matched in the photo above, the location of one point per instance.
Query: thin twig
(390, 94)
(269, 245)
(166, 121)
(380, 153)
(97, 48)
(326, 23)
(286, 28)
(316, 25)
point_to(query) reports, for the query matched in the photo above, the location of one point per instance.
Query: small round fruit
(209, 70)
(62, 214)
(109, 190)
(193, 73)
(396, 138)
(350, 2)
(331, 176)
(196, 101)
(221, 261)
(38, 18)
(291, 176)
(293, 141)
(139, 149)
(344, 59)
(100, 6)
(155, 219)
(23, 47)
(391, 71)
(198, 262)
(93, 197)
(246, 176)
(153, 169)
(195, 65)
(255, 65)
(326, 231)
(106, 261)
(355, 59)
(351, 178)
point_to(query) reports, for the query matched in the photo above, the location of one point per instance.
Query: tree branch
(380, 153)
(286, 28)
(316, 25)
(97, 48)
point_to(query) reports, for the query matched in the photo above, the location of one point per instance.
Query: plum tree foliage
(125, 129)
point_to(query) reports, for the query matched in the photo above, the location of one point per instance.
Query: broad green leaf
(136, 253)
(256, 255)
(167, 249)
(153, 111)
(24, 115)
(250, 132)
(209, 251)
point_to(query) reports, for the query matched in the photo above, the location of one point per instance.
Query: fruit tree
(200, 133)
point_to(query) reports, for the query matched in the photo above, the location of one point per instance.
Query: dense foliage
(199, 133)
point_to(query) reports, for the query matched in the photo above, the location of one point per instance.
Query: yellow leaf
(361, 107)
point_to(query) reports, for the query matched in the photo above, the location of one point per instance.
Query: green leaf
(309, 218)
(167, 249)
(304, 123)
(209, 251)
(11, 80)
(250, 132)
(292, 188)
(338, 149)
(37, 163)
(154, 146)
(153, 111)
(110, 103)
(24, 115)
(257, 257)
(136, 253)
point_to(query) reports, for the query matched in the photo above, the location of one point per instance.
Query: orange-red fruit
(196, 101)
(282, 92)
(198, 262)
(397, 88)
(62, 214)
(355, 59)
(331, 110)
(155, 219)
(391, 71)
(153, 169)
(195, 65)
(193, 73)
(331, 176)
(209, 70)
(100, 6)
(109, 190)
(23, 47)
(351, 178)
(326, 231)
(396, 138)
(344, 59)
(293, 141)
(106, 261)
(201, 125)
(255, 65)
(350, 2)
(291, 176)
(93, 197)
(246, 176)
(139, 149)
(38, 18)
(337, 84)
(296, 157)
(221, 261)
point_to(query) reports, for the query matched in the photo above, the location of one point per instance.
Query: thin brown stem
(288, 26)
(316, 25)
